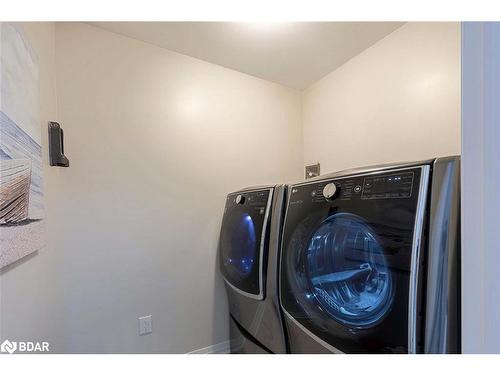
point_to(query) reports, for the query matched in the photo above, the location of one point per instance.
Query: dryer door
(346, 270)
(243, 241)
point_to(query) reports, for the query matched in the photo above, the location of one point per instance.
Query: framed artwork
(21, 187)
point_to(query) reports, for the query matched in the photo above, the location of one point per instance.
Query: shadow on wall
(220, 321)
(220, 295)
(18, 262)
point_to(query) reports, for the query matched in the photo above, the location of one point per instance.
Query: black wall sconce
(56, 146)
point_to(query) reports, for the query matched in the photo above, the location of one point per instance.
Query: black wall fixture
(56, 146)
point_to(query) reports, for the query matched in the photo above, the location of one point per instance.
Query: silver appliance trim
(259, 296)
(442, 316)
(418, 218)
(252, 189)
(366, 173)
(365, 170)
(415, 260)
(313, 336)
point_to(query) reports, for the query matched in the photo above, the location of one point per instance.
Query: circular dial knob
(330, 190)
(240, 199)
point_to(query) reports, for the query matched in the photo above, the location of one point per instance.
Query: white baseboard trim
(223, 347)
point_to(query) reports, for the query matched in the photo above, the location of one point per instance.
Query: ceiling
(294, 54)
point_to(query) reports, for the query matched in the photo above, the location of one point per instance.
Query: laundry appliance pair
(359, 261)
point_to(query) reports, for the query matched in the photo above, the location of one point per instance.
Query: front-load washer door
(243, 241)
(347, 261)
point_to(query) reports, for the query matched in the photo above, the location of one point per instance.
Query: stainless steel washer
(248, 258)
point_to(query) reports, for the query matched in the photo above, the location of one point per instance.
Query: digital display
(397, 185)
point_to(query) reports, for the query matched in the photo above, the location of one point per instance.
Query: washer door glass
(347, 273)
(240, 254)
(242, 240)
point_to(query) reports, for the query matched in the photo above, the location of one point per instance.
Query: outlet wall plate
(145, 325)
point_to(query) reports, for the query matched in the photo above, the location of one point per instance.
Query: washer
(248, 258)
(370, 260)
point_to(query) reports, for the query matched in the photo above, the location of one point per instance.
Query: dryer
(370, 260)
(248, 258)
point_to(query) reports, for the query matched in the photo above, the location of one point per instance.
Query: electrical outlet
(145, 325)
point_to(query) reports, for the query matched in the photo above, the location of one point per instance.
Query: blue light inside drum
(243, 245)
(348, 273)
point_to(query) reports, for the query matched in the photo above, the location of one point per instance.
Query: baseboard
(223, 347)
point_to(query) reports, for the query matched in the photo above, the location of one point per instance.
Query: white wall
(155, 141)
(30, 305)
(398, 100)
(480, 181)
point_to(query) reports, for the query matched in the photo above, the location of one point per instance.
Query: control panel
(254, 199)
(387, 185)
(398, 185)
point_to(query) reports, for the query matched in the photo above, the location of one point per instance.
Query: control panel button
(330, 190)
(240, 199)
